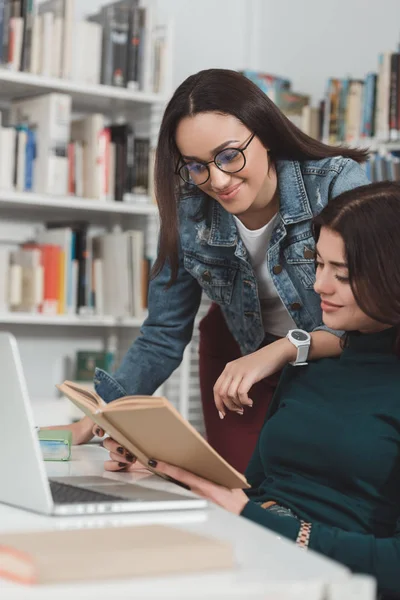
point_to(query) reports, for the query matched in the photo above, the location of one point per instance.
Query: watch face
(299, 335)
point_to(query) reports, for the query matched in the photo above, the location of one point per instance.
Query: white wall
(310, 40)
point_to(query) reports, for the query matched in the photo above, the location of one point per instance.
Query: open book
(150, 427)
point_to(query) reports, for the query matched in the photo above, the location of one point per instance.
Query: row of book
(355, 109)
(44, 150)
(120, 46)
(70, 270)
(351, 111)
(296, 106)
(383, 166)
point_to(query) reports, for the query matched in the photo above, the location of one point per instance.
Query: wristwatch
(302, 340)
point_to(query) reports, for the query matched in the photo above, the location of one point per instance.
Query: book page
(88, 395)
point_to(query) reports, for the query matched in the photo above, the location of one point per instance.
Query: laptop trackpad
(128, 491)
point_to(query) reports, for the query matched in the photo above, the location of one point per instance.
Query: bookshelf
(102, 98)
(69, 320)
(48, 342)
(38, 203)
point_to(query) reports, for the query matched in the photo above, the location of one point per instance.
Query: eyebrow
(214, 151)
(341, 265)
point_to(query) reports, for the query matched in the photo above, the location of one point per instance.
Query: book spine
(67, 42)
(107, 48)
(28, 13)
(130, 160)
(132, 76)
(30, 160)
(3, 27)
(119, 38)
(393, 97)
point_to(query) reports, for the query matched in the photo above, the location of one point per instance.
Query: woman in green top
(326, 469)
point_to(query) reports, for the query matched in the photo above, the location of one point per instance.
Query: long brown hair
(368, 220)
(226, 92)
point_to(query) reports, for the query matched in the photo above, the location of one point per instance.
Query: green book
(88, 360)
(55, 444)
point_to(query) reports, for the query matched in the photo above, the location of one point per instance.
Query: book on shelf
(48, 150)
(57, 24)
(87, 361)
(294, 105)
(151, 428)
(70, 270)
(122, 45)
(48, 116)
(144, 550)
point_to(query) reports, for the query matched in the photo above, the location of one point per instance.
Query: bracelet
(303, 537)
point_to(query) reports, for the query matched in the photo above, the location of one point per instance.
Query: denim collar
(294, 205)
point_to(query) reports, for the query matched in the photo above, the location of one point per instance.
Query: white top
(275, 316)
(291, 573)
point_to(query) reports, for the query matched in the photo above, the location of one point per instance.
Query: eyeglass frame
(241, 150)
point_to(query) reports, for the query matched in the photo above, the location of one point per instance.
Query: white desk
(267, 567)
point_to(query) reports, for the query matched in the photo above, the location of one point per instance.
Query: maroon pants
(234, 437)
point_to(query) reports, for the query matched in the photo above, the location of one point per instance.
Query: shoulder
(327, 178)
(337, 173)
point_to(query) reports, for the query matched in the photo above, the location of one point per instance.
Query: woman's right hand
(120, 458)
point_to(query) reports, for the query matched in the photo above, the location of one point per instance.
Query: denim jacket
(213, 259)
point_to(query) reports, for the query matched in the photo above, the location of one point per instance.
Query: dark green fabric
(330, 451)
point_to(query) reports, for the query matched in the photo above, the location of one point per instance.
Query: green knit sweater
(330, 451)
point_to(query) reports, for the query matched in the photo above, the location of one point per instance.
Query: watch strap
(303, 538)
(302, 354)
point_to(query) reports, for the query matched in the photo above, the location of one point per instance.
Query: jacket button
(277, 269)
(295, 306)
(308, 253)
(206, 276)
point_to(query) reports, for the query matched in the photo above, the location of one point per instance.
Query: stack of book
(45, 150)
(120, 46)
(295, 106)
(70, 270)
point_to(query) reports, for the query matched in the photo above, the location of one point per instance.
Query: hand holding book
(232, 500)
(150, 427)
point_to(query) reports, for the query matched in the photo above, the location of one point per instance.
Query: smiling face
(340, 310)
(250, 194)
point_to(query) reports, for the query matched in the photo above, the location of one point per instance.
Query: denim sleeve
(351, 176)
(158, 350)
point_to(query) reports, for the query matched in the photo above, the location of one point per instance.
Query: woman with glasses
(237, 185)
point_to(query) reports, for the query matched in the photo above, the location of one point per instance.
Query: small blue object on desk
(55, 443)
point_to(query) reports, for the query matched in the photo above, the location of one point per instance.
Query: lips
(329, 306)
(229, 192)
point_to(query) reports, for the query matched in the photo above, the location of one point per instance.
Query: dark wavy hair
(368, 220)
(226, 92)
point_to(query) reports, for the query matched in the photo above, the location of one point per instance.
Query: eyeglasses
(229, 160)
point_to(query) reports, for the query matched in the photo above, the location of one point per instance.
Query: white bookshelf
(47, 343)
(99, 98)
(16, 318)
(140, 205)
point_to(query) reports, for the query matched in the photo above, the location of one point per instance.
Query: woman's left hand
(232, 500)
(233, 385)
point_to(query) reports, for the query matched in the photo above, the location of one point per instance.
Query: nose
(324, 282)
(219, 180)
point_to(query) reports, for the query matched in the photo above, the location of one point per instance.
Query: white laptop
(24, 482)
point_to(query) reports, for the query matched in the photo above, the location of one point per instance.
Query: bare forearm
(324, 345)
(81, 431)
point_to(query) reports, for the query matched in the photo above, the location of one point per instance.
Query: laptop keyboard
(63, 493)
